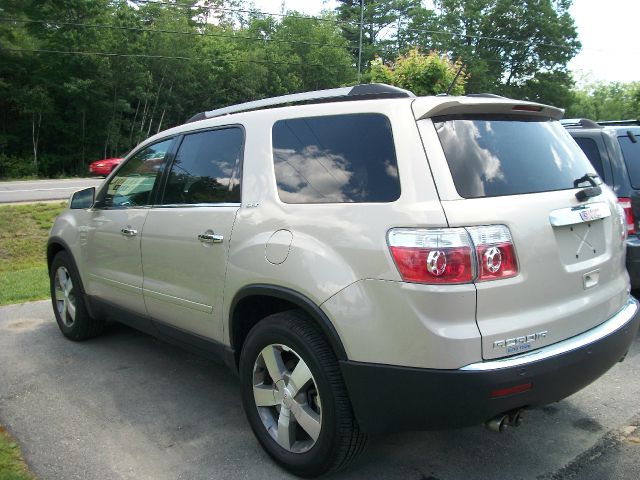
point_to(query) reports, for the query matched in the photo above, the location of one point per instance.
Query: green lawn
(12, 466)
(23, 239)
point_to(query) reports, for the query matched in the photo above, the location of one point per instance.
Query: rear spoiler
(426, 107)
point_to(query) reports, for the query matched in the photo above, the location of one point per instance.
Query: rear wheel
(295, 398)
(68, 301)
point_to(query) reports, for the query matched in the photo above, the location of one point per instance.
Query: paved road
(35, 190)
(126, 406)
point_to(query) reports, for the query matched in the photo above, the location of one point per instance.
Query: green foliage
(12, 466)
(62, 111)
(509, 48)
(13, 167)
(429, 74)
(606, 101)
(23, 238)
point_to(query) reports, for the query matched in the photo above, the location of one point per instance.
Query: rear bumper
(633, 261)
(389, 398)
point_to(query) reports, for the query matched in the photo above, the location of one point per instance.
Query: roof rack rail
(358, 92)
(579, 123)
(621, 123)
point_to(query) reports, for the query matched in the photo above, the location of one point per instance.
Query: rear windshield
(491, 156)
(631, 153)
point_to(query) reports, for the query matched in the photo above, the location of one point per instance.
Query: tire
(288, 347)
(68, 300)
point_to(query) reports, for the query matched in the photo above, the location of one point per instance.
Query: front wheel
(68, 301)
(295, 399)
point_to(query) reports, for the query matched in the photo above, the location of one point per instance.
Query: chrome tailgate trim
(615, 323)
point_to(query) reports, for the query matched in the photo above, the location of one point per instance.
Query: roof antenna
(456, 78)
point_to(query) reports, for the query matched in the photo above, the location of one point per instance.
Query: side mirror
(83, 199)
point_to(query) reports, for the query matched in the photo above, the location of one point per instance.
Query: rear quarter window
(590, 149)
(492, 155)
(335, 159)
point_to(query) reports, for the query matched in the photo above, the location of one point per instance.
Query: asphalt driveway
(127, 406)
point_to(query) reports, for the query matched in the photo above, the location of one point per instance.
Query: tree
(606, 101)
(509, 47)
(429, 74)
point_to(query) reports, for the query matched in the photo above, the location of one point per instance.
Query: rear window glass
(631, 153)
(590, 149)
(490, 156)
(335, 159)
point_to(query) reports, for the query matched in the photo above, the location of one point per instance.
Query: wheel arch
(56, 245)
(252, 303)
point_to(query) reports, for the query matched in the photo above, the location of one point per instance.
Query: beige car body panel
(183, 276)
(112, 261)
(333, 245)
(336, 255)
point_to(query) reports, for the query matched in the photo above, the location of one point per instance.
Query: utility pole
(360, 47)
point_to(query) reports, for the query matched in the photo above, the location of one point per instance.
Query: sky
(606, 28)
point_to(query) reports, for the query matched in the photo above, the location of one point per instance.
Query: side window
(133, 184)
(206, 168)
(590, 149)
(335, 159)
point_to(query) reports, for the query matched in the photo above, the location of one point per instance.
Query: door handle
(210, 237)
(128, 232)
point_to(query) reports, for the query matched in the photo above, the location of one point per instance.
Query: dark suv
(613, 148)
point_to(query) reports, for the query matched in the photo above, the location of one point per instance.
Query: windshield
(494, 155)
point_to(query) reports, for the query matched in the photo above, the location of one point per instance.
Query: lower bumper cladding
(389, 398)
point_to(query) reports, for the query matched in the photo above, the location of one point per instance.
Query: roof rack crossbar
(358, 92)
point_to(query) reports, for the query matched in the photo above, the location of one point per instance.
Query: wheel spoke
(300, 376)
(71, 309)
(286, 429)
(68, 286)
(265, 395)
(273, 360)
(307, 419)
(59, 294)
(62, 278)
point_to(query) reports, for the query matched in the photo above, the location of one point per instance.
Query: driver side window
(134, 181)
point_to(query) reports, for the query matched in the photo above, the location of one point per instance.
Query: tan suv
(366, 260)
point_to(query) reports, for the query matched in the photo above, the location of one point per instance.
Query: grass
(12, 465)
(23, 238)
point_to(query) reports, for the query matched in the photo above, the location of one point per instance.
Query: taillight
(495, 254)
(453, 255)
(625, 203)
(432, 255)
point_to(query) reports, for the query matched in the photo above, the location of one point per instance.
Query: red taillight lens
(625, 203)
(453, 255)
(495, 253)
(436, 256)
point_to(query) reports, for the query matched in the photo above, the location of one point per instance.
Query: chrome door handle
(210, 237)
(129, 232)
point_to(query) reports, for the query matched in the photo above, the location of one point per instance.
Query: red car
(104, 167)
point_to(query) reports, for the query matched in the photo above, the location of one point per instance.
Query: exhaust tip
(497, 424)
(504, 420)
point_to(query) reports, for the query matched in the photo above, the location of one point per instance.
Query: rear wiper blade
(593, 191)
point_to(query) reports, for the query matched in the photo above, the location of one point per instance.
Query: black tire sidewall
(318, 459)
(63, 259)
